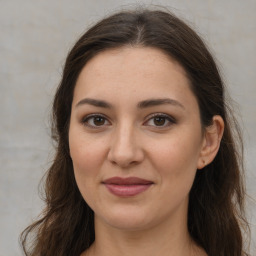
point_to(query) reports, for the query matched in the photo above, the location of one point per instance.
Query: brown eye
(98, 121)
(159, 121)
(95, 121)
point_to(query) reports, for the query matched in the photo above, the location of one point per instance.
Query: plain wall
(35, 37)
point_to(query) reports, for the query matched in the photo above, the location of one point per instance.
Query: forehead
(134, 73)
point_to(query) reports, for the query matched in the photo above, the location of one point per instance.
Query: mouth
(127, 187)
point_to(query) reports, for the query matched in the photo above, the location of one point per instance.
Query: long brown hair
(216, 205)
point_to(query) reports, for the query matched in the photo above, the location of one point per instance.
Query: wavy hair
(216, 204)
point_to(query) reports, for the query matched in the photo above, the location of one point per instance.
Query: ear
(211, 142)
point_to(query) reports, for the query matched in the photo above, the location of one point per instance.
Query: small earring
(204, 162)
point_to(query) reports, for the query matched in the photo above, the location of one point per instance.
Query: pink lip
(126, 187)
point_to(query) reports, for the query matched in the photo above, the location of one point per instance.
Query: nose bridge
(124, 148)
(125, 138)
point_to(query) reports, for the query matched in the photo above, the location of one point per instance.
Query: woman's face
(135, 138)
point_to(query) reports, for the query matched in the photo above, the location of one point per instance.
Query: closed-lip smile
(127, 187)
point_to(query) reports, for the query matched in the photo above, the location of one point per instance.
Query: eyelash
(167, 118)
(91, 117)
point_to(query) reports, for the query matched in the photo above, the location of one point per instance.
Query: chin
(127, 220)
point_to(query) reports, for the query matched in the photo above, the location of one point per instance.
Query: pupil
(159, 121)
(98, 121)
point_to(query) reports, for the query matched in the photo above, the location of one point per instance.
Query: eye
(160, 120)
(95, 121)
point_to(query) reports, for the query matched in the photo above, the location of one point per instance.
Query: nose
(125, 150)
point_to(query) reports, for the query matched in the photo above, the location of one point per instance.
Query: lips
(127, 187)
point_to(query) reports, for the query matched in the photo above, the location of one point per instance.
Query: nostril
(124, 160)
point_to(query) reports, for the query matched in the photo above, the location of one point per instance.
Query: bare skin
(134, 115)
(150, 243)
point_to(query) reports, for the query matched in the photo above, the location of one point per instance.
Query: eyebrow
(94, 102)
(157, 102)
(142, 104)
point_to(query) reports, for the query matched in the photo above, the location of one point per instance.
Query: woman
(147, 161)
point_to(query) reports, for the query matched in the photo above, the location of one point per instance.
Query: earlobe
(211, 142)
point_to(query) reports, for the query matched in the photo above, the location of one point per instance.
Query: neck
(170, 239)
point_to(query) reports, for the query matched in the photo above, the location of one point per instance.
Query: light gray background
(35, 37)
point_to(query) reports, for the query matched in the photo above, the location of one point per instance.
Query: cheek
(176, 161)
(87, 158)
(178, 152)
(86, 153)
